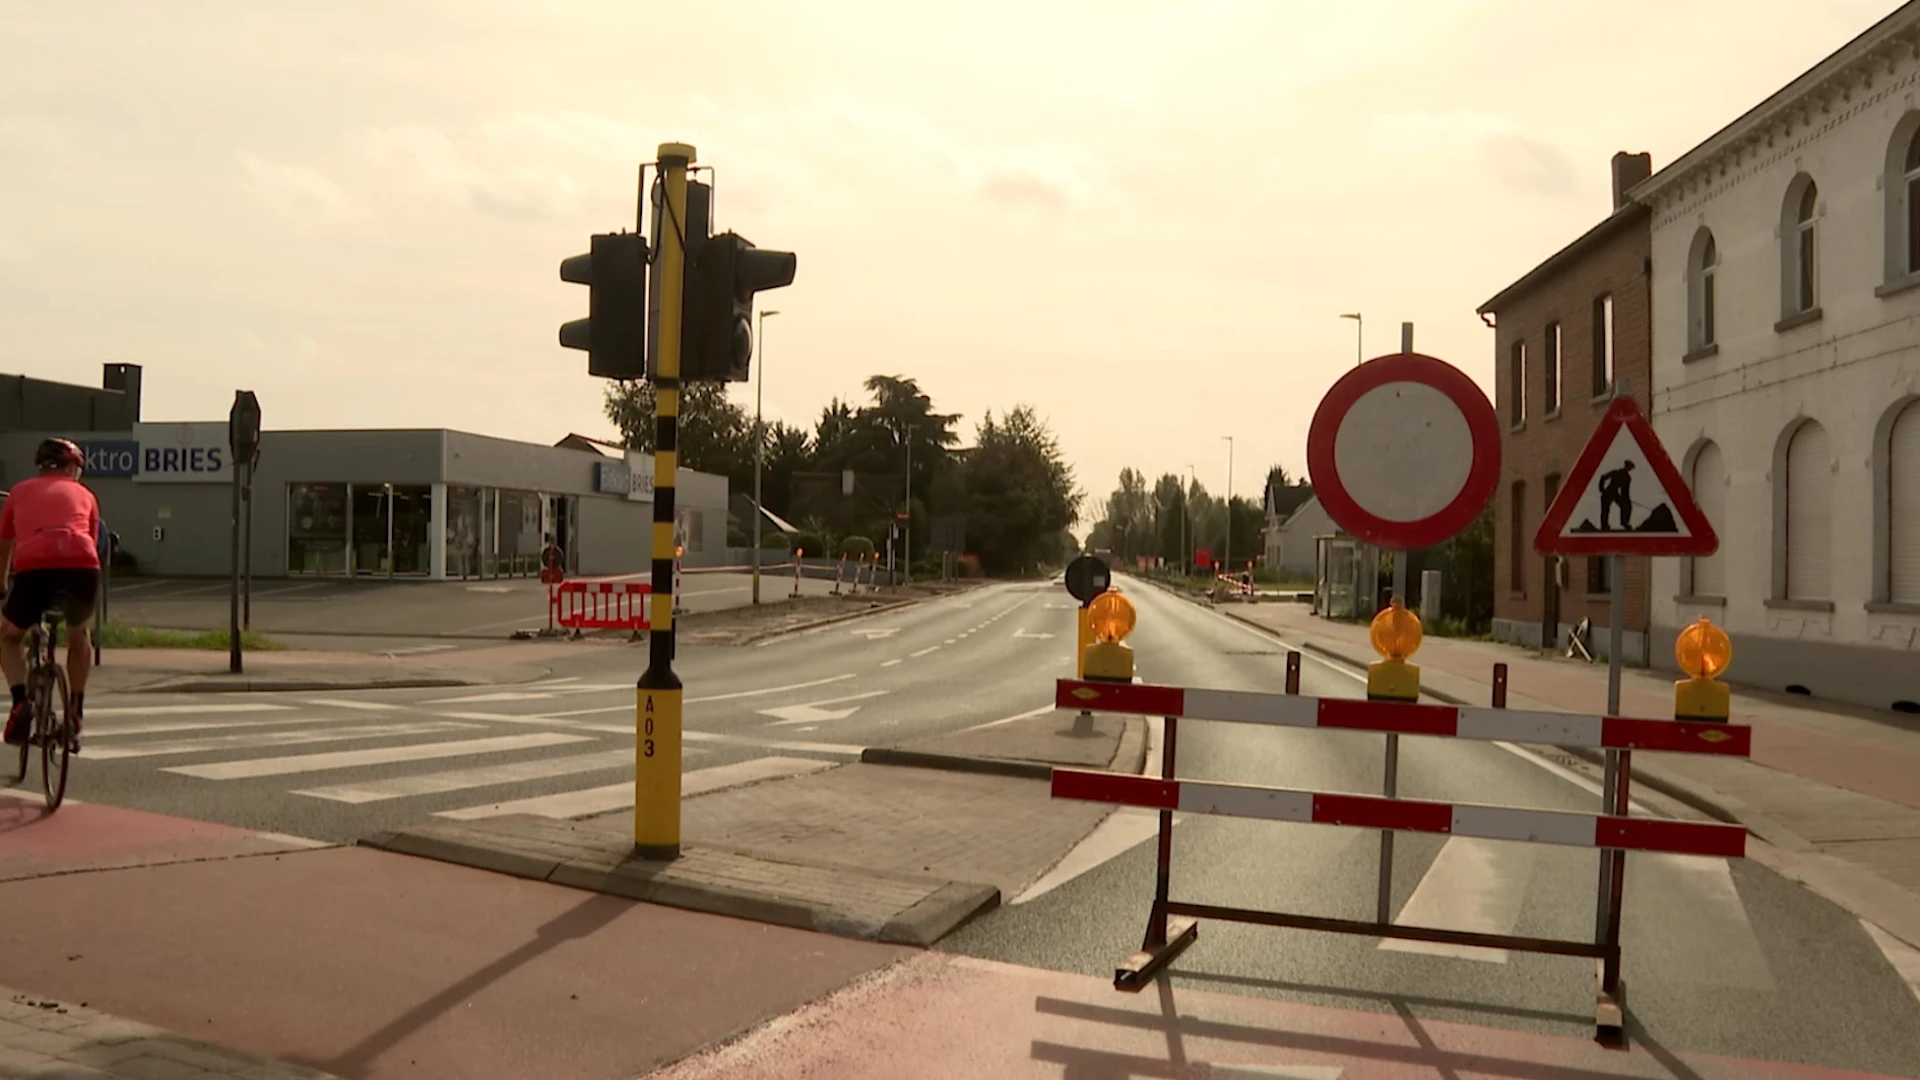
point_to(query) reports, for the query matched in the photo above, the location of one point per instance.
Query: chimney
(1628, 171)
(126, 379)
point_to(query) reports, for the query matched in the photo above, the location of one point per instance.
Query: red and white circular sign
(1404, 451)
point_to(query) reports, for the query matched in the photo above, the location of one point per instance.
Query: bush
(773, 541)
(739, 538)
(809, 544)
(854, 547)
(969, 566)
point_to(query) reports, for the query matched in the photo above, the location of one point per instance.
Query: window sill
(1552, 415)
(1811, 315)
(1896, 607)
(1515, 429)
(1701, 353)
(1701, 601)
(1897, 285)
(1603, 397)
(1781, 603)
(1516, 595)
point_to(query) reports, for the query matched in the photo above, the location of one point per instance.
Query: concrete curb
(765, 635)
(940, 912)
(925, 759)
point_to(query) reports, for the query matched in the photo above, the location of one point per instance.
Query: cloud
(1495, 143)
(296, 192)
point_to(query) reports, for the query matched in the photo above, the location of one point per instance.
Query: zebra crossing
(360, 753)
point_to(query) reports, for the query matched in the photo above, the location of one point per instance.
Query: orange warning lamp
(1110, 618)
(1395, 635)
(1703, 651)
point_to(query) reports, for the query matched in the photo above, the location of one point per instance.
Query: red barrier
(602, 605)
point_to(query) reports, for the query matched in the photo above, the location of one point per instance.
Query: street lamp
(1359, 332)
(1226, 554)
(1186, 524)
(759, 446)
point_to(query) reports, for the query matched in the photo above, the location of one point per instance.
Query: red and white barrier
(1406, 815)
(601, 605)
(1505, 725)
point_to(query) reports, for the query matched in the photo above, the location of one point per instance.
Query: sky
(1142, 219)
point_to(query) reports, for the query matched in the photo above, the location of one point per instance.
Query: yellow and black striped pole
(656, 772)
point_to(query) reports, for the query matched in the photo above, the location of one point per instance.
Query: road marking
(166, 726)
(813, 713)
(1216, 1071)
(413, 649)
(600, 800)
(923, 652)
(890, 663)
(1025, 634)
(1029, 714)
(768, 690)
(1719, 948)
(345, 703)
(1904, 958)
(949, 641)
(401, 787)
(833, 749)
(213, 743)
(1117, 834)
(872, 633)
(531, 695)
(382, 755)
(1473, 884)
(179, 710)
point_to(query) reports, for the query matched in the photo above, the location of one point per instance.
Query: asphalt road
(337, 766)
(1720, 956)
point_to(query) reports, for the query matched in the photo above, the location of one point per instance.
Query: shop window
(317, 528)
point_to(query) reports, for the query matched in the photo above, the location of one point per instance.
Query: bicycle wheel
(56, 741)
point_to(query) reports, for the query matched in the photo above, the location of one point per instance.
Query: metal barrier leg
(1166, 937)
(1610, 998)
(1390, 786)
(1293, 671)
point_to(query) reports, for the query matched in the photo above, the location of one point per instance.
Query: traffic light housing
(613, 334)
(722, 278)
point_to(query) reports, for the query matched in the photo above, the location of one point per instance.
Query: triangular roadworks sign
(1624, 497)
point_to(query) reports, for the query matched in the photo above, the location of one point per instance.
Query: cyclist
(49, 532)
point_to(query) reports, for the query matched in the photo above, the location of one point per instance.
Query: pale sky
(1143, 219)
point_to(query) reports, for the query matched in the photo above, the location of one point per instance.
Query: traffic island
(1028, 746)
(896, 907)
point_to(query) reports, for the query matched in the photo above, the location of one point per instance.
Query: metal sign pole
(1613, 862)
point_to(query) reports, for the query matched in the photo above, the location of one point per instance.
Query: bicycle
(50, 709)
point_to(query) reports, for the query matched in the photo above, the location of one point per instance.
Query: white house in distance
(1786, 375)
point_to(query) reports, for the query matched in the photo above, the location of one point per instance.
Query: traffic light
(614, 331)
(722, 277)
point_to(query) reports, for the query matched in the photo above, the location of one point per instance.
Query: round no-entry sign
(1404, 451)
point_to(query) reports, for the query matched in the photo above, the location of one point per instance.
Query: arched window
(1901, 183)
(1909, 188)
(1703, 263)
(1799, 271)
(1903, 507)
(1809, 498)
(1709, 483)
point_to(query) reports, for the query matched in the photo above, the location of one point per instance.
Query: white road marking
(1120, 832)
(813, 713)
(600, 800)
(889, 663)
(949, 641)
(1217, 1071)
(1904, 958)
(415, 649)
(833, 749)
(180, 710)
(215, 743)
(1474, 885)
(346, 703)
(1720, 948)
(384, 755)
(923, 652)
(768, 690)
(401, 787)
(1030, 713)
(1025, 634)
(165, 726)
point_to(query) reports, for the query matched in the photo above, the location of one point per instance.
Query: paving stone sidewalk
(900, 854)
(59, 1040)
(1834, 787)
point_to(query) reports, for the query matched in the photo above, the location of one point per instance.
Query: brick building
(1568, 336)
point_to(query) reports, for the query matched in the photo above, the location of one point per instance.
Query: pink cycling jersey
(54, 522)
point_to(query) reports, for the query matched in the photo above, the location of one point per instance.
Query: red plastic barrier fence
(602, 605)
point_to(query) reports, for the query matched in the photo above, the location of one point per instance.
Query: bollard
(799, 561)
(838, 568)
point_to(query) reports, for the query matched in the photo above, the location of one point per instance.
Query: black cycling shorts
(71, 591)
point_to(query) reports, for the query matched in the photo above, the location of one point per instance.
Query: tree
(715, 435)
(1020, 493)
(789, 450)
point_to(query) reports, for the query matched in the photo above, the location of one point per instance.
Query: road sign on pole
(1404, 451)
(1624, 497)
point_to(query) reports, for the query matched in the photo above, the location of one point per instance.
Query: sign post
(243, 439)
(1404, 452)
(1088, 577)
(1666, 521)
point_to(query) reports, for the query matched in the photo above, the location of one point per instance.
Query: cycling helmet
(58, 454)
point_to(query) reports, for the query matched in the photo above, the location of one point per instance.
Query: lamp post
(1186, 524)
(1359, 334)
(1226, 553)
(759, 445)
(906, 539)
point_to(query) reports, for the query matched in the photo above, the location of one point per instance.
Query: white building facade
(1786, 375)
